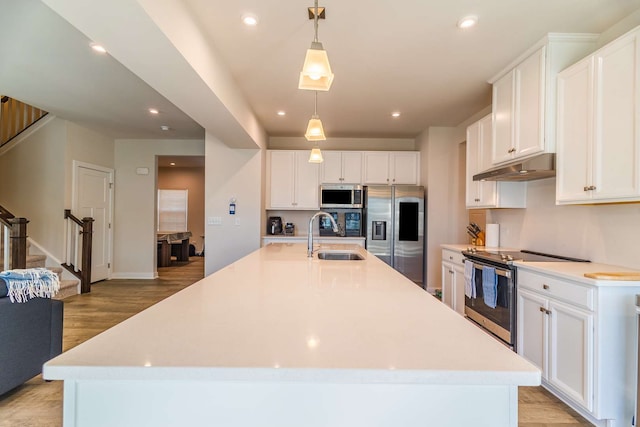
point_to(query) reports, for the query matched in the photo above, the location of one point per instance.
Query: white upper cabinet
(598, 159)
(524, 98)
(391, 167)
(488, 194)
(292, 181)
(341, 167)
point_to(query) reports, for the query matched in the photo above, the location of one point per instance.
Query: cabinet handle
(511, 150)
(586, 188)
(592, 187)
(542, 309)
(545, 311)
(545, 286)
(451, 258)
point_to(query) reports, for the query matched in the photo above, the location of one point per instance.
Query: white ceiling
(405, 56)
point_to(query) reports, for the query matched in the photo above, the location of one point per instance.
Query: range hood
(539, 167)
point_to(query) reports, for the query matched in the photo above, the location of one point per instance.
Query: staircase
(67, 287)
(15, 117)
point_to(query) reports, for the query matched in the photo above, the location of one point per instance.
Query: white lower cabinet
(558, 339)
(578, 334)
(453, 280)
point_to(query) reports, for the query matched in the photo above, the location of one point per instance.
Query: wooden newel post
(18, 235)
(87, 233)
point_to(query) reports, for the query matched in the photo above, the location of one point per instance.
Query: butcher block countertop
(276, 315)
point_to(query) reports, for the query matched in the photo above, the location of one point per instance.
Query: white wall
(232, 173)
(32, 173)
(134, 248)
(601, 233)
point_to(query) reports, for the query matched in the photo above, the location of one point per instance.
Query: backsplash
(601, 233)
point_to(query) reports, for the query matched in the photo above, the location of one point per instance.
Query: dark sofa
(30, 335)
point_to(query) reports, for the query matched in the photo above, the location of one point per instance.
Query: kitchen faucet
(334, 227)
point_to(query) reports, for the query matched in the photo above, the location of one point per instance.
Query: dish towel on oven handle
(490, 286)
(469, 279)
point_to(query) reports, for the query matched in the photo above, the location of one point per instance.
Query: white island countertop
(281, 340)
(277, 315)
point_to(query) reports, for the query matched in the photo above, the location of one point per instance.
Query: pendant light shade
(316, 155)
(315, 132)
(316, 72)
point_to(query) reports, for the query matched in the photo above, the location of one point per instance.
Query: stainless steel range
(490, 299)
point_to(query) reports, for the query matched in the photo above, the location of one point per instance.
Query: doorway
(185, 174)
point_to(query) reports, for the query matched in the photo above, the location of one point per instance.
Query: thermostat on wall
(142, 171)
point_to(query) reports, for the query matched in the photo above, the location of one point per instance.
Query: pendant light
(315, 132)
(316, 72)
(316, 155)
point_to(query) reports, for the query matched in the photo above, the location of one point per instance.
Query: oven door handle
(499, 271)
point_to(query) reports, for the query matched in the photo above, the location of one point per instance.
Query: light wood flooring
(39, 404)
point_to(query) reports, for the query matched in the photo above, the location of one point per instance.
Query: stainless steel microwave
(341, 196)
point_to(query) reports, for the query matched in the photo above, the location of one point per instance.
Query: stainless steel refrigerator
(395, 224)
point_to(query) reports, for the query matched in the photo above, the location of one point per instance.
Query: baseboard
(126, 275)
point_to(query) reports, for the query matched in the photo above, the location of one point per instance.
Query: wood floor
(39, 404)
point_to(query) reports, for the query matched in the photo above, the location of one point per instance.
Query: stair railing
(77, 255)
(16, 117)
(14, 240)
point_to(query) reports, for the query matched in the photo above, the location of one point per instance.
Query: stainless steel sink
(342, 256)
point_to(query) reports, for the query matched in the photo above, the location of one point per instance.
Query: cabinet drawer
(452, 256)
(573, 293)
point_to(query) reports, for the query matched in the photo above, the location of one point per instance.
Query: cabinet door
(574, 134)
(281, 179)
(532, 329)
(331, 167)
(352, 167)
(571, 352)
(502, 113)
(447, 284)
(306, 182)
(376, 167)
(479, 194)
(473, 154)
(404, 167)
(487, 190)
(529, 105)
(458, 289)
(616, 155)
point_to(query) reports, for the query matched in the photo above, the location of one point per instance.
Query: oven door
(499, 320)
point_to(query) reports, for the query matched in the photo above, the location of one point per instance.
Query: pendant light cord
(315, 105)
(315, 22)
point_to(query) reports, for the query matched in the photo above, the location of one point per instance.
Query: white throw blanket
(24, 284)
(469, 279)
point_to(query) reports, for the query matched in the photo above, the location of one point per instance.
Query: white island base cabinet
(136, 403)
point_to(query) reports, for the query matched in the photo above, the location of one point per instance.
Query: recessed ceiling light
(164, 127)
(282, 113)
(395, 114)
(468, 21)
(172, 164)
(250, 20)
(153, 111)
(98, 48)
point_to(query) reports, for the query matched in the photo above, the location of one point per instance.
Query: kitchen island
(279, 339)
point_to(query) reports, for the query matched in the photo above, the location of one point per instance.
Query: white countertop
(276, 315)
(576, 270)
(315, 237)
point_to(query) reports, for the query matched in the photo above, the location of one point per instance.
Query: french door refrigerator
(395, 224)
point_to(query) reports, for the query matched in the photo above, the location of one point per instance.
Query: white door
(93, 198)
